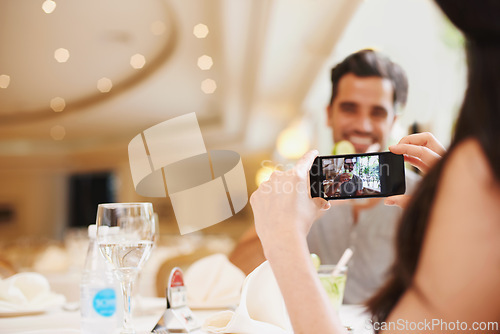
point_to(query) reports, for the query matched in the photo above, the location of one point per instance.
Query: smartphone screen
(379, 174)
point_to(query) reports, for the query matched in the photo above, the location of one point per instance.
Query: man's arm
(248, 254)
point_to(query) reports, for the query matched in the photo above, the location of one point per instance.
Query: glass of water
(125, 235)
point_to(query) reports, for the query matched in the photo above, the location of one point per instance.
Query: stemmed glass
(136, 295)
(125, 235)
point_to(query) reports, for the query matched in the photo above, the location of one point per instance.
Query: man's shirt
(350, 187)
(372, 240)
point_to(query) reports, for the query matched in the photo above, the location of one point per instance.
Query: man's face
(349, 165)
(362, 112)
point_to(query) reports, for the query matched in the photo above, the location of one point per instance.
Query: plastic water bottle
(100, 294)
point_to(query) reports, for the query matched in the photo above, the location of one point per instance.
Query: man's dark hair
(368, 63)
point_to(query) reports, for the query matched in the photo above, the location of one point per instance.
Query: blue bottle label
(105, 302)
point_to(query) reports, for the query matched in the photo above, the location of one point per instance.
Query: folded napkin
(213, 282)
(27, 292)
(53, 260)
(261, 310)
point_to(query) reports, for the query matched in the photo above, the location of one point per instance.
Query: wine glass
(136, 295)
(125, 234)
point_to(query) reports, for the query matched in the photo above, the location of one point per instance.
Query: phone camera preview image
(351, 176)
(357, 176)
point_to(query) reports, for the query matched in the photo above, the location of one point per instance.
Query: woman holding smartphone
(448, 244)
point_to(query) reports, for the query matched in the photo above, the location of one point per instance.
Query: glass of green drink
(333, 285)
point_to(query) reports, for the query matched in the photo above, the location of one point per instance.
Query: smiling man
(368, 92)
(350, 183)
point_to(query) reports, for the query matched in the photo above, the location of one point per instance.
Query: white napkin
(261, 310)
(213, 282)
(53, 260)
(27, 292)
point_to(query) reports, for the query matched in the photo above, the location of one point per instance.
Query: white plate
(18, 313)
(52, 300)
(211, 306)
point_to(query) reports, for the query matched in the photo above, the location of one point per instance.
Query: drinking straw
(342, 262)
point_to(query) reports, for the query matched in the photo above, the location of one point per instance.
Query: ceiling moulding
(102, 38)
(291, 58)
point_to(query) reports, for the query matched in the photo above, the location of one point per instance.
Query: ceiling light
(263, 174)
(205, 62)
(137, 61)
(104, 85)
(48, 6)
(61, 55)
(158, 28)
(292, 143)
(200, 30)
(4, 81)
(57, 104)
(208, 86)
(57, 132)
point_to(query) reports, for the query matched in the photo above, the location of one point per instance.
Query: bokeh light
(58, 132)
(49, 6)
(4, 81)
(61, 55)
(137, 61)
(292, 143)
(205, 62)
(104, 85)
(263, 174)
(200, 30)
(208, 86)
(58, 104)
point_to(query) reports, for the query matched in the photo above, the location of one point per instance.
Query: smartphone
(347, 176)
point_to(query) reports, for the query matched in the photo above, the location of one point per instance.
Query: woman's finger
(422, 166)
(426, 139)
(398, 200)
(322, 203)
(423, 153)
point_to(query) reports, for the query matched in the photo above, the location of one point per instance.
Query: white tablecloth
(148, 312)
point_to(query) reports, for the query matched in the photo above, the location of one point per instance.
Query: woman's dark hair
(479, 119)
(368, 63)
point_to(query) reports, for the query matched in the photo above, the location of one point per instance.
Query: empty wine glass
(125, 234)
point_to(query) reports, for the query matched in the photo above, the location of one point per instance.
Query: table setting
(27, 294)
(211, 296)
(250, 318)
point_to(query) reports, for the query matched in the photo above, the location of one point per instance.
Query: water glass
(125, 235)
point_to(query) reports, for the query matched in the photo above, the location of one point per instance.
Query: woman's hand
(284, 212)
(283, 208)
(422, 150)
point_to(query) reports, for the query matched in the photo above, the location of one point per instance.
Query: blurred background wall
(78, 80)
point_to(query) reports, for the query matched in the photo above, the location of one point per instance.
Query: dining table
(65, 319)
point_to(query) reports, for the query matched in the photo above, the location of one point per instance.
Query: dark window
(7, 214)
(86, 191)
